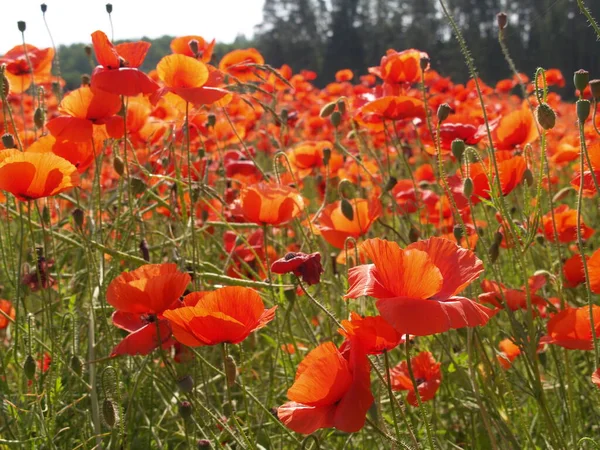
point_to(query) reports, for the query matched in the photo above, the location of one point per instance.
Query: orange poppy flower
(390, 108)
(400, 67)
(80, 154)
(270, 204)
(417, 286)
(516, 130)
(181, 45)
(566, 225)
(228, 314)
(240, 64)
(308, 155)
(508, 353)
(80, 110)
(8, 309)
(329, 391)
(343, 75)
(589, 187)
(29, 175)
(594, 271)
(373, 334)
(427, 373)
(192, 80)
(335, 227)
(19, 73)
(571, 328)
(118, 72)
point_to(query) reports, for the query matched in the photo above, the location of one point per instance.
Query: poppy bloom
(311, 154)
(343, 75)
(390, 108)
(228, 314)
(240, 64)
(594, 272)
(329, 391)
(374, 334)
(8, 310)
(566, 225)
(508, 353)
(571, 328)
(194, 46)
(80, 111)
(417, 286)
(29, 176)
(428, 377)
(400, 67)
(308, 267)
(335, 227)
(516, 130)
(118, 72)
(573, 271)
(498, 295)
(18, 71)
(140, 298)
(270, 204)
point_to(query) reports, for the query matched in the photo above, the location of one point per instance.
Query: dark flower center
(290, 255)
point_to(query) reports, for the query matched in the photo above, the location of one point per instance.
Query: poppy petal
(305, 419)
(144, 340)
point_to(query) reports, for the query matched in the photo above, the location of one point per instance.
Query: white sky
(73, 21)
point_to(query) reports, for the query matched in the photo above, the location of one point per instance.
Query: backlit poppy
(516, 130)
(565, 219)
(428, 377)
(400, 67)
(417, 286)
(181, 45)
(228, 314)
(240, 64)
(29, 176)
(508, 353)
(270, 204)
(329, 391)
(18, 71)
(390, 108)
(571, 328)
(374, 334)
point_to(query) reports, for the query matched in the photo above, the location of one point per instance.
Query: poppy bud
(118, 165)
(193, 44)
(528, 177)
(185, 410)
(29, 367)
(46, 215)
(44, 7)
(581, 78)
(76, 365)
(145, 250)
(78, 217)
(458, 232)
(326, 156)
(468, 187)
(4, 86)
(413, 234)
(211, 120)
(109, 8)
(336, 118)
(389, 185)
(341, 106)
(494, 252)
(88, 50)
(22, 26)
(424, 63)
(583, 110)
(186, 384)
(38, 117)
(498, 236)
(444, 111)
(347, 210)
(85, 80)
(502, 20)
(203, 443)
(284, 115)
(8, 140)
(540, 239)
(458, 148)
(595, 88)
(230, 370)
(138, 186)
(110, 414)
(545, 116)
(562, 194)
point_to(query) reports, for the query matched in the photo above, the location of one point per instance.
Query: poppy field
(217, 253)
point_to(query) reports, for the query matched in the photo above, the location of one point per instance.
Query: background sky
(73, 21)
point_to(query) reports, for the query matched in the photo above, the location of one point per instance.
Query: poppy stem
(317, 303)
(390, 393)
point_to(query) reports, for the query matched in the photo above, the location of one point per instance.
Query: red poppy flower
(373, 334)
(18, 71)
(400, 67)
(118, 72)
(390, 108)
(228, 314)
(300, 264)
(29, 175)
(270, 204)
(417, 286)
(508, 353)
(428, 377)
(594, 272)
(573, 271)
(566, 225)
(8, 309)
(571, 328)
(329, 391)
(498, 295)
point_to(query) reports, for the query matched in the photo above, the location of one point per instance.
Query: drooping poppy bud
(327, 110)
(110, 414)
(347, 210)
(78, 216)
(186, 384)
(545, 116)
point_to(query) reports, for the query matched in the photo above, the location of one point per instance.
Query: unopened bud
(595, 88)
(528, 177)
(498, 236)
(326, 156)
(581, 78)
(88, 50)
(145, 251)
(458, 148)
(211, 120)
(468, 187)
(118, 165)
(540, 239)
(186, 384)
(85, 80)
(29, 367)
(22, 26)
(38, 117)
(109, 8)
(413, 234)
(185, 410)
(494, 252)
(46, 215)
(502, 20)
(444, 110)
(138, 186)
(5, 86)
(327, 109)
(230, 370)
(341, 106)
(44, 7)
(389, 185)
(8, 140)
(424, 63)
(336, 118)
(545, 116)
(458, 232)
(583, 110)
(78, 216)
(347, 210)
(110, 415)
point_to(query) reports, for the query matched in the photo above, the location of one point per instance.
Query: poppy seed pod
(502, 20)
(424, 63)
(185, 410)
(581, 78)
(583, 110)
(110, 414)
(444, 110)
(109, 8)
(8, 140)
(458, 148)
(595, 88)
(29, 367)
(186, 384)
(327, 110)
(44, 7)
(22, 26)
(230, 370)
(545, 116)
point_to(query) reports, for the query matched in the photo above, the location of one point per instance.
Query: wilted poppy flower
(308, 267)
(373, 334)
(240, 63)
(329, 391)
(428, 377)
(199, 49)
(508, 353)
(118, 70)
(270, 204)
(228, 314)
(140, 298)
(335, 227)
(18, 71)
(566, 225)
(400, 67)
(417, 286)
(29, 176)
(8, 309)
(80, 110)
(571, 328)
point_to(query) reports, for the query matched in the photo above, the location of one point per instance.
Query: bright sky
(73, 21)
